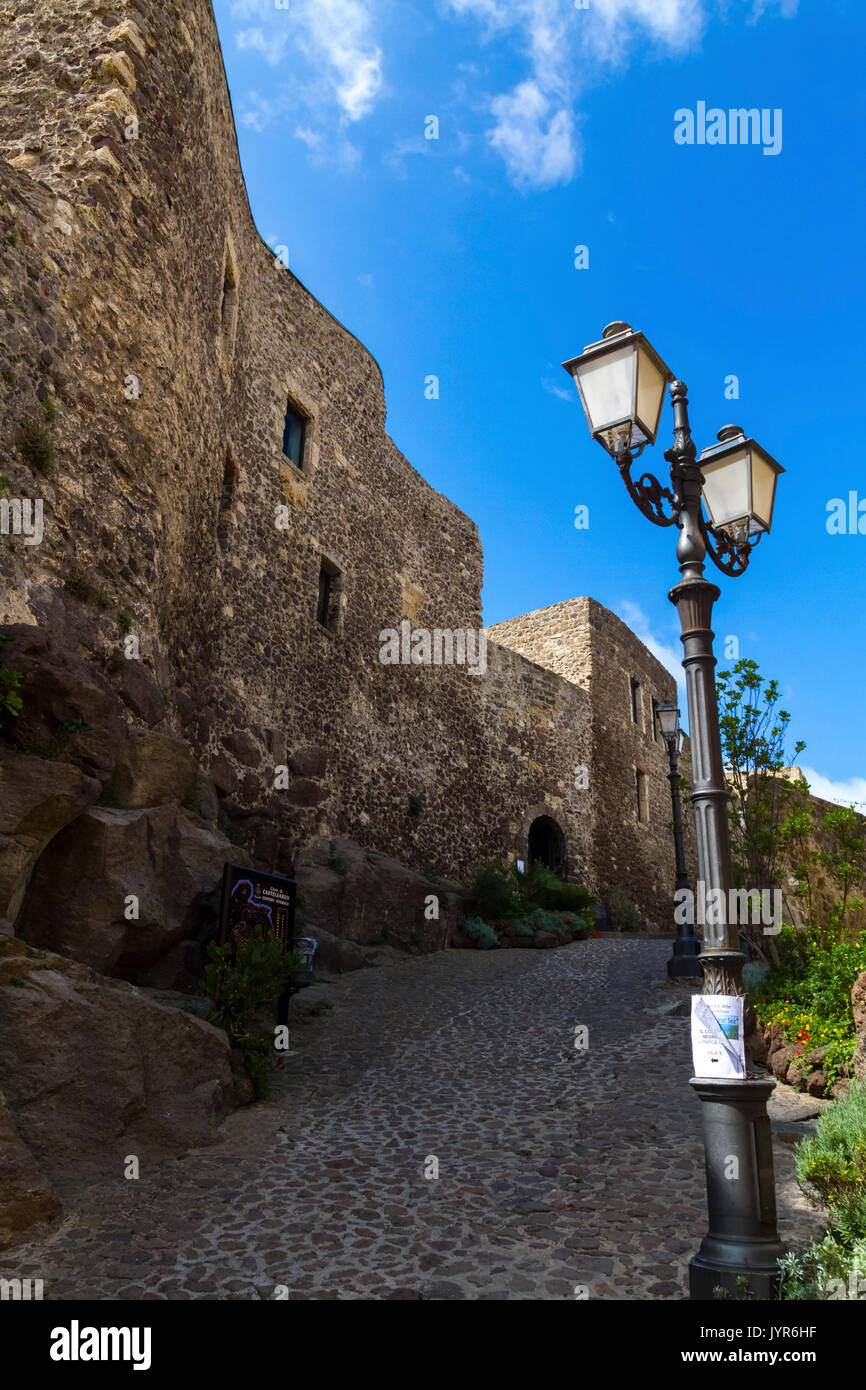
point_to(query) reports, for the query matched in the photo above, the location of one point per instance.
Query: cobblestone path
(557, 1167)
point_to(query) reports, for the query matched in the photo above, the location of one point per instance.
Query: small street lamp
(684, 962)
(621, 381)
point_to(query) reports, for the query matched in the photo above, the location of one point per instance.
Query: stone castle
(228, 528)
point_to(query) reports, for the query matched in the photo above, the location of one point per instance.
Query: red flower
(505, 926)
(598, 933)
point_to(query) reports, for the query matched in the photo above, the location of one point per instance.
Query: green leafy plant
(11, 702)
(809, 995)
(492, 891)
(124, 619)
(37, 447)
(49, 405)
(76, 583)
(498, 892)
(831, 1170)
(8, 376)
(337, 862)
(260, 972)
(754, 732)
(480, 932)
(743, 1291)
(622, 913)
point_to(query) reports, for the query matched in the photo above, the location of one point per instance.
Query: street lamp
(684, 961)
(621, 380)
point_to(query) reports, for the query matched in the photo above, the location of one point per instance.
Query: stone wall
(593, 649)
(151, 344)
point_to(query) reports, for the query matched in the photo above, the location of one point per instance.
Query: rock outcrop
(364, 896)
(38, 798)
(93, 1071)
(120, 889)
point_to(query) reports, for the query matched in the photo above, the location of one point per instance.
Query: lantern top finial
(614, 329)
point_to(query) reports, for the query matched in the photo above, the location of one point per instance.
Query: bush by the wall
(480, 932)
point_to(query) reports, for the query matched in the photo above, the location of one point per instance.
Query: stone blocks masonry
(150, 345)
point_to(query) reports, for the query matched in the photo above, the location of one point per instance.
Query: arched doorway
(547, 845)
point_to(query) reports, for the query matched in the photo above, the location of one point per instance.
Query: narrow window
(328, 601)
(655, 721)
(635, 702)
(229, 303)
(294, 431)
(226, 518)
(324, 608)
(642, 795)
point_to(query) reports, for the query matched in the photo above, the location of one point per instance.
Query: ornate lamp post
(621, 381)
(684, 962)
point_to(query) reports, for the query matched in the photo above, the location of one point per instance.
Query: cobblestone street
(556, 1167)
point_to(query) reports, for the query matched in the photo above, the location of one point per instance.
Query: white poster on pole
(718, 1048)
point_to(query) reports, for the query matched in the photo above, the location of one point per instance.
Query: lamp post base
(742, 1242)
(684, 963)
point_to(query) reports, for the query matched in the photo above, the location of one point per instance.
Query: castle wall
(173, 516)
(586, 644)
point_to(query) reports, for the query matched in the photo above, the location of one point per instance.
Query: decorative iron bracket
(730, 556)
(647, 492)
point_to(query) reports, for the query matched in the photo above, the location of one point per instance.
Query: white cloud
(554, 389)
(535, 123)
(841, 792)
(333, 48)
(535, 140)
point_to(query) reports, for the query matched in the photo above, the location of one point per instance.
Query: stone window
(655, 721)
(294, 436)
(635, 701)
(641, 786)
(226, 518)
(229, 302)
(328, 602)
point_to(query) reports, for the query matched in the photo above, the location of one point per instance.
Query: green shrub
(337, 862)
(622, 914)
(831, 1170)
(124, 619)
(831, 1164)
(259, 973)
(809, 994)
(539, 919)
(37, 447)
(498, 892)
(492, 891)
(480, 932)
(755, 973)
(11, 702)
(540, 887)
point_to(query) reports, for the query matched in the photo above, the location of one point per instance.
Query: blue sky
(454, 257)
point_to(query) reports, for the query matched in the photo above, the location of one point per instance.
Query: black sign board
(253, 899)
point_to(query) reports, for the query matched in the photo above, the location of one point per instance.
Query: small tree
(754, 732)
